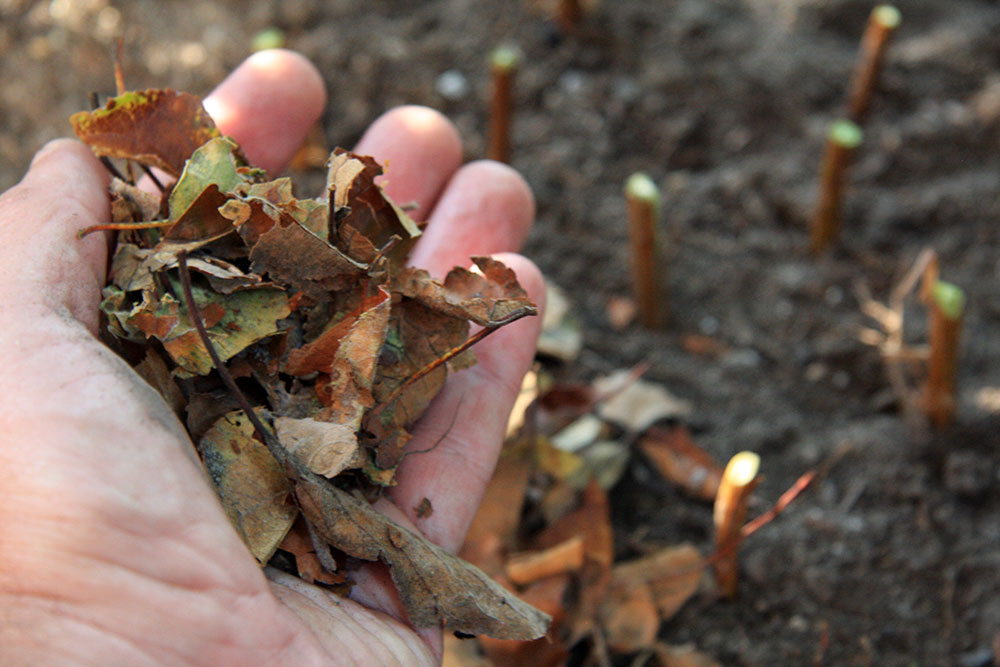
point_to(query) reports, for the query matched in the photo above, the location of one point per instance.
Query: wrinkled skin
(114, 549)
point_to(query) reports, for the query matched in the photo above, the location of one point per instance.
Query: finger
(41, 260)
(419, 148)
(454, 474)
(268, 104)
(486, 208)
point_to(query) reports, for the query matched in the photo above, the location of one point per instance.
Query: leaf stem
(227, 379)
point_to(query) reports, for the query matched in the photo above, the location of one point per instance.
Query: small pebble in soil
(745, 358)
(833, 295)
(452, 85)
(982, 657)
(964, 473)
(709, 325)
(841, 379)
(572, 82)
(815, 371)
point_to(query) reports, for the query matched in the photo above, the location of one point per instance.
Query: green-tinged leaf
(160, 128)
(252, 486)
(234, 321)
(214, 163)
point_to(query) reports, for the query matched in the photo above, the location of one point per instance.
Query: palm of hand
(115, 549)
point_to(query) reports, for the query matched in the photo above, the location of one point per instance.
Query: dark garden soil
(894, 558)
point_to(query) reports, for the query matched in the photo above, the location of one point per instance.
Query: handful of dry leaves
(296, 343)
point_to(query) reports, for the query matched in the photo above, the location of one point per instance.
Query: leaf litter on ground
(336, 345)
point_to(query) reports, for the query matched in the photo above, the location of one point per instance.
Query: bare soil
(894, 558)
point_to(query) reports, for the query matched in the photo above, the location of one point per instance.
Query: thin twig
(227, 378)
(152, 177)
(122, 226)
(95, 104)
(437, 363)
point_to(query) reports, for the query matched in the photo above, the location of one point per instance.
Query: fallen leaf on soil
(253, 488)
(592, 521)
(638, 405)
(685, 655)
(672, 575)
(628, 616)
(621, 311)
(523, 569)
(547, 595)
(463, 653)
(678, 459)
(496, 522)
(562, 335)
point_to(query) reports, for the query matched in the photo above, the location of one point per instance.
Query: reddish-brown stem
(643, 203)
(843, 137)
(503, 68)
(945, 324)
(738, 482)
(122, 226)
(437, 363)
(569, 13)
(119, 71)
(883, 21)
(227, 379)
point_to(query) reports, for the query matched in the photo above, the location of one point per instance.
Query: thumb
(43, 266)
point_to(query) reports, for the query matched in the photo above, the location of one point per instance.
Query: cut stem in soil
(947, 306)
(643, 200)
(738, 482)
(568, 14)
(883, 21)
(841, 140)
(503, 69)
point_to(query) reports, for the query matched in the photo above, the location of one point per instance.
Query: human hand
(114, 548)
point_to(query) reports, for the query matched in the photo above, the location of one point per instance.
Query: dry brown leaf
(362, 206)
(490, 298)
(291, 254)
(639, 404)
(326, 448)
(672, 575)
(463, 653)
(550, 651)
(678, 459)
(251, 484)
(298, 543)
(416, 337)
(352, 374)
(592, 520)
(129, 203)
(526, 568)
(628, 617)
(153, 369)
(685, 655)
(495, 525)
(161, 128)
(435, 586)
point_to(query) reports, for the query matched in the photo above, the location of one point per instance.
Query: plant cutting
(882, 22)
(841, 140)
(503, 69)
(643, 206)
